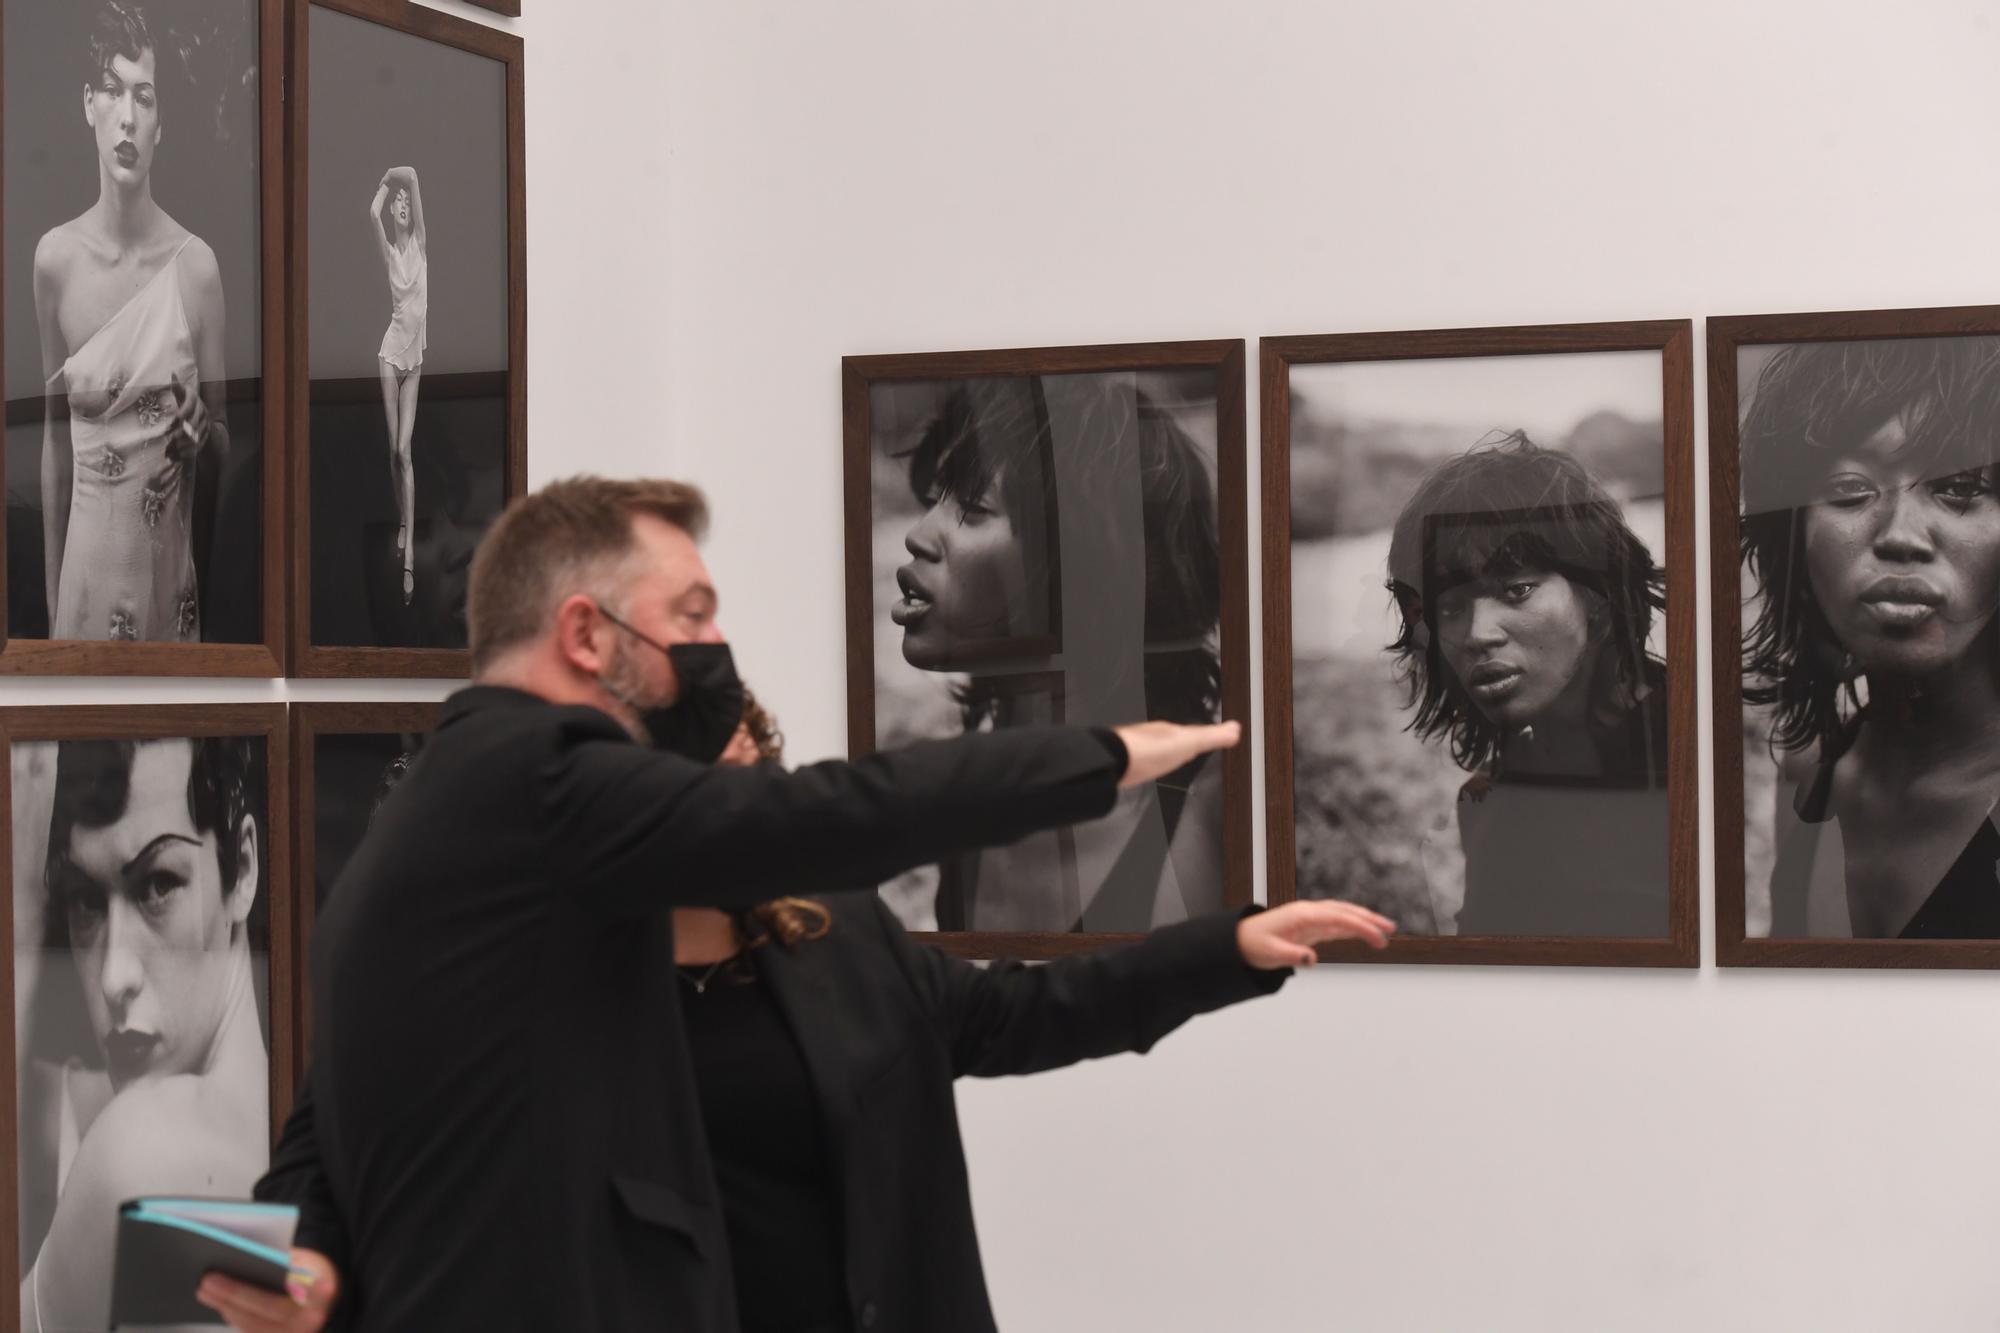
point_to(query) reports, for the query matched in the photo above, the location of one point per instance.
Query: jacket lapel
(804, 995)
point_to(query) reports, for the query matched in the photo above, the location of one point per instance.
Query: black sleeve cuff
(1114, 746)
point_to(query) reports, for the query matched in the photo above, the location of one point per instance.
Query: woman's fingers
(1319, 920)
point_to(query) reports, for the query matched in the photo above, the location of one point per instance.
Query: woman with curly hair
(1871, 528)
(1526, 602)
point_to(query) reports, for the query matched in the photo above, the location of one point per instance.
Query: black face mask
(698, 724)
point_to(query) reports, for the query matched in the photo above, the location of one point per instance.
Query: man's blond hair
(568, 537)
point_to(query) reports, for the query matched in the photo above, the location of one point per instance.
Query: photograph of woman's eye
(1479, 686)
(1870, 557)
(1045, 548)
(134, 337)
(142, 992)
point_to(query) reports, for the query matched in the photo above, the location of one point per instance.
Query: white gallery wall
(1391, 1148)
(725, 198)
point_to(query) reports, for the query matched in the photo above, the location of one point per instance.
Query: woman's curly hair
(789, 921)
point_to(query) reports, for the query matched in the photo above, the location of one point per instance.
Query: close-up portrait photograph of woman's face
(1478, 622)
(1515, 636)
(1045, 549)
(980, 476)
(151, 898)
(1871, 655)
(142, 988)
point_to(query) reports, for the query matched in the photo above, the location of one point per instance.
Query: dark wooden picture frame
(309, 722)
(1727, 337)
(1673, 340)
(1225, 358)
(310, 659)
(265, 722)
(505, 8)
(266, 656)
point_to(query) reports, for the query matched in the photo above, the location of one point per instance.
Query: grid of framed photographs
(265, 369)
(251, 428)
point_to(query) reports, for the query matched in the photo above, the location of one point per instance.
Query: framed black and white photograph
(143, 284)
(1056, 535)
(1856, 565)
(410, 268)
(346, 760)
(149, 873)
(1478, 644)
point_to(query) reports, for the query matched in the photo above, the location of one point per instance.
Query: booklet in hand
(166, 1247)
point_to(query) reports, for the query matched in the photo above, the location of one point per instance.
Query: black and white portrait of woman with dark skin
(130, 309)
(1064, 561)
(558, 1176)
(152, 860)
(1526, 603)
(1871, 530)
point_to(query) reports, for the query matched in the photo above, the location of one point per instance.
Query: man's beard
(623, 680)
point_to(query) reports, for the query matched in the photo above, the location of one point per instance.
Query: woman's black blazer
(886, 1025)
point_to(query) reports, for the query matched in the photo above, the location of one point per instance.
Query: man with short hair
(501, 1101)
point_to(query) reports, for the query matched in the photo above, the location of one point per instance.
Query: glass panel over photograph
(353, 773)
(1045, 549)
(406, 329)
(142, 1001)
(1478, 629)
(134, 398)
(1871, 685)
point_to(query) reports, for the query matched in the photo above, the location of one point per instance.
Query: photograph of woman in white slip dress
(404, 256)
(409, 380)
(129, 306)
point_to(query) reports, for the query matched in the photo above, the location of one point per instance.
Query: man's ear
(581, 635)
(249, 863)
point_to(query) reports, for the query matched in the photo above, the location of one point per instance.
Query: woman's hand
(1156, 749)
(253, 1310)
(1285, 936)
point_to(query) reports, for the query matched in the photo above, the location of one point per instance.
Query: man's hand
(253, 1310)
(1285, 936)
(1158, 748)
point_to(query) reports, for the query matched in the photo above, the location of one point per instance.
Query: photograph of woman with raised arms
(1061, 563)
(129, 304)
(1527, 603)
(144, 1064)
(1871, 532)
(406, 263)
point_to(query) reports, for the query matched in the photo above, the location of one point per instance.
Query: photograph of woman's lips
(917, 600)
(1901, 601)
(127, 154)
(1491, 681)
(130, 1053)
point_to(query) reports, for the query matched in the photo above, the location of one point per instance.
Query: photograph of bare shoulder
(412, 330)
(1866, 736)
(1476, 684)
(1042, 538)
(134, 339)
